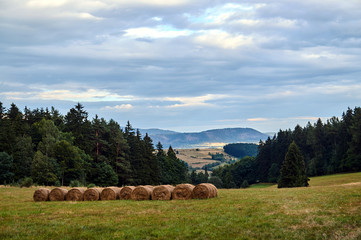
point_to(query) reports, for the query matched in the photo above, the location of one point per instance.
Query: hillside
(205, 139)
(197, 158)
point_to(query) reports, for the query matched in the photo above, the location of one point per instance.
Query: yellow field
(199, 157)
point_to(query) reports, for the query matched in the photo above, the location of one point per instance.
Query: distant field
(329, 209)
(199, 158)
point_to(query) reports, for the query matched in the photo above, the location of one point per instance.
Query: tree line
(53, 149)
(327, 148)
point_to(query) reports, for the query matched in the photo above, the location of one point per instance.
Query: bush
(27, 182)
(245, 184)
(91, 185)
(57, 183)
(216, 181)
(75, 183)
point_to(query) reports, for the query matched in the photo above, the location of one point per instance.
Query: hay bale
(163, 192)
(57, 194)
(205, 190)
(142, 193)
(126, 192)
(110, 193)
(183, 192)
(41, 194)
(92, 194)
(75, 194)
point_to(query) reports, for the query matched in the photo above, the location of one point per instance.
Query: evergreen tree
(152, 160)
(6, 165)
(273, 173)
(23, 157)
(119, 150)
(2, 111)
(76, 122)
(353, 160)
(293, 172)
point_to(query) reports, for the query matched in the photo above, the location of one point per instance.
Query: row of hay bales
(162, 192)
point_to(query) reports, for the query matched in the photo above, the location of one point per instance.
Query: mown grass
(329, 209)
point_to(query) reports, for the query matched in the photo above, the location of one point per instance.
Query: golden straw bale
(183, 192)
(142, 193)
(205, 190)
(58, 194)
(92, 194)
(41, 194)
(126, 192)
(75, 194)
(110, 193)
(163, 192)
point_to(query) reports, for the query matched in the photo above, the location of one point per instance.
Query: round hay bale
(204, 191)
(110, 193)
(92, 194)
(163, 192)
(41, 194)
(183, 192)
(142, 193)
(75, 194)
(57, 194)
(126, 192)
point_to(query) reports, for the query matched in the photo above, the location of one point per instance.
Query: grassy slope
(329, 209)
(201, 157)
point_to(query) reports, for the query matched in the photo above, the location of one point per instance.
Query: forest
(328, 148)
(51, 149)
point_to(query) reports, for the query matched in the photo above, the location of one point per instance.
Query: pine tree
(6, 164)
(23, 157)
(76, 122)
(353, 160)
(293, 172)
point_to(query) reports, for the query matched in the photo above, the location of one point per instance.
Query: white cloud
(158, 32)
(46, 3)
(222, 39)
(118, 107)
(89, 95)
(257, 119)
(193, 101)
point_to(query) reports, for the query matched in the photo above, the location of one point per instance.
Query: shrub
(75, 183)
(57, 184)
(27, 182)
(216, 181)
(91, 185)
(245, 184)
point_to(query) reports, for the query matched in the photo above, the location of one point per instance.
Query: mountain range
(204, 139)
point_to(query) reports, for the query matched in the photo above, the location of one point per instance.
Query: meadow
(329, 209)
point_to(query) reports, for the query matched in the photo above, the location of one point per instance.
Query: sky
(184, 65)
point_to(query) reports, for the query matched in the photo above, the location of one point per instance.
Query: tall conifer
(293, 171)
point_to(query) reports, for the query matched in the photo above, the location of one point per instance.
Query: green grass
(262, 185)
(329, 209)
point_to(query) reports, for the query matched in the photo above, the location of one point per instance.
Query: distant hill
(156, 131)
(209, 138)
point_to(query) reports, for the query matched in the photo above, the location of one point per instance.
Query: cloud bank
(184, 65)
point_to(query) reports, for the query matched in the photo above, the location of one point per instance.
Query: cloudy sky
(184, 65)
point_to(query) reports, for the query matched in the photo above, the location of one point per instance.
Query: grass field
(329, 209)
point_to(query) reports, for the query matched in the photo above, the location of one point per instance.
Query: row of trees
(55, 150)
(241, 150)
(327, 148)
